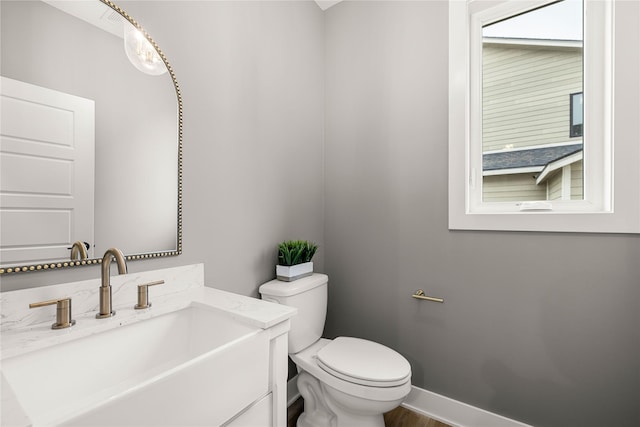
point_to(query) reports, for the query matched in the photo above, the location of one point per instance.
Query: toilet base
(325, 406)
(316, 413)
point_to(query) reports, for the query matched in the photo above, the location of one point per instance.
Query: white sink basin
(195, 366)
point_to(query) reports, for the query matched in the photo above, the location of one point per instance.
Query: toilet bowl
(343, 400)
(346, 381)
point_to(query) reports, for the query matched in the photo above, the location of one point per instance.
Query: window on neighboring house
(516, 73)
(575, 128)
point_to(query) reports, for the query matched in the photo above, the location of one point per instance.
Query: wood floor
(402, 417)
(399, 417)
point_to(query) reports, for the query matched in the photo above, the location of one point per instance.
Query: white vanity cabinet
(259, 413)
(270, 409)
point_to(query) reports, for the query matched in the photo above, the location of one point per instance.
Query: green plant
(294, 252)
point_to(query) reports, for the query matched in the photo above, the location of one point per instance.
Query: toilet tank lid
(278, 288)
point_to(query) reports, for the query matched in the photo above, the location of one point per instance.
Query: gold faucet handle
(143, 294)
(63, 312)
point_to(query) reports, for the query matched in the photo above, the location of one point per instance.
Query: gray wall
(251, 76)
(543, 328)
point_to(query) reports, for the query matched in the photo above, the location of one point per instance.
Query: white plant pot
(294, 272)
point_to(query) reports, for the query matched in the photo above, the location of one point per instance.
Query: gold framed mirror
(136, 173)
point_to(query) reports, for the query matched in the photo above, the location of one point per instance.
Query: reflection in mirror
(141, 52)
(103, 167)
(532, 80)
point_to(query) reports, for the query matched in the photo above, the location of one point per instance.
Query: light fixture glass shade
(141, 53)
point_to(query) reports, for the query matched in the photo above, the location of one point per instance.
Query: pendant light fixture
(141, 52)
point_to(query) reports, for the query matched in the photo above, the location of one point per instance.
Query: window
(575, 126)
(531, 62)
(512, 165)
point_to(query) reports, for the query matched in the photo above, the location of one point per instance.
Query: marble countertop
(25, 330)
(255, 312)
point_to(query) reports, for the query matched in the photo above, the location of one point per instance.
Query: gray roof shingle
(527, 158)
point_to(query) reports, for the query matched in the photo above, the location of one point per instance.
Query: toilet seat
(364, 362)
(307, 360)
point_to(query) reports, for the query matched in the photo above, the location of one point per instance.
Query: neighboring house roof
(529, 42)
(535, 157)
(558, 164)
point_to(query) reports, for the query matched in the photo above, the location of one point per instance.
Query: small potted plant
(294, 259)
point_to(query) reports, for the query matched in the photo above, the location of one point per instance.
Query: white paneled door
(47, 173)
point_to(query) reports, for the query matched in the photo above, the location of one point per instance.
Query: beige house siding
(577, 189)
(526, 94)
(555, 186)
(516, 187)
(554, 183)
(522, 187)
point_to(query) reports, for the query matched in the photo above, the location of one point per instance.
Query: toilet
(346, 381)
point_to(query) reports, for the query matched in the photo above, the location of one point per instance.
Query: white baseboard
(438, 407)
(454, 412)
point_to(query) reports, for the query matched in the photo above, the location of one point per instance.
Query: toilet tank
(309, 296)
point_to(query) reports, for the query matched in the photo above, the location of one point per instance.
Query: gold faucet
(105, 287)
(78, 250)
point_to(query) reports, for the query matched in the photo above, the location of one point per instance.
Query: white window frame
(605, 208)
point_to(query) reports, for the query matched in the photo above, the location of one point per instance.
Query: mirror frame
(131, 257)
